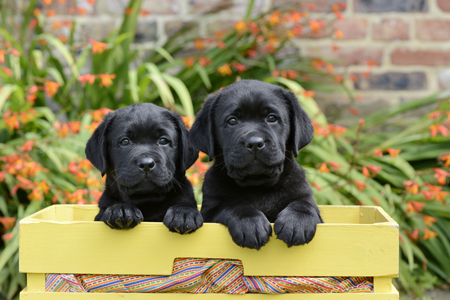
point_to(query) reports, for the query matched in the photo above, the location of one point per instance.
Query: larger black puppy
(144, 151)
(251, 129)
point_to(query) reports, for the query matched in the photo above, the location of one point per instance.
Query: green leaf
(62, 50)
(6, 91)
(203, 75)
(134, 88)
(182, 92)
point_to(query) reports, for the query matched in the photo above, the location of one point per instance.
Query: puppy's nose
(146, 164)
(254, 144)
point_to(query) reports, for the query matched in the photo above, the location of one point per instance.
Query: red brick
(319, 5)
(390, 29)
(392, 81)
(353, 29)
(347, 55)
(433, 30)
(444, 5)
(407, 57)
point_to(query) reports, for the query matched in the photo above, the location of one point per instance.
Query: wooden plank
(93, 248)
(25, 295)
(382, 284)
(36, 282)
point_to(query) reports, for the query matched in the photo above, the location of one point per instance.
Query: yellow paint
(25, 295)
(354, 241)
(35, 282)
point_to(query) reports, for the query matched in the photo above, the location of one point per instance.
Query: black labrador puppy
(251, 129)
(144, 151)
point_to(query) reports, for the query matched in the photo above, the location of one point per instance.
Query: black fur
(254, 179)
(135, 192)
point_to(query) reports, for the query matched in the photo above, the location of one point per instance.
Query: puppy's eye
(272, 119)
(232, 121)
(125, 142)
(163, 141)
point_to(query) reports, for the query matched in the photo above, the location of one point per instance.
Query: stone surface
(352, 29)
(390, 29)
(433, 30)
(98, 30)
(406, 57)
(382, 6)
(444, 79)
(444, 5)
(146, 31)
(391, 81)
(172, 27)
(348, 55)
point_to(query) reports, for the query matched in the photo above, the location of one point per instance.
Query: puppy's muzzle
(146, 164)
(254, 144)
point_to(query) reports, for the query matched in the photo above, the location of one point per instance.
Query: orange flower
(11, 120)
(274, 18)
(144, 12)
(98, 47)
(309, 94)
(254, 29)
(428, 220)
(62, 129)
(7, 222)
(414, 206)
(240, 27)
(440, 175)
(2, 56)
(51, 13)
(51, 88)
(56, 25)
(199, 44)
(428, 234)
(374, 169)
(189, 61)
(87, 78)
(106, 79)
(338, 34)
(378, 152)
(96, 195)
(443, 130)
(365, 171)
(239, 67)
(81, 11)
(97, 115)
(336, 129)
(251, 53)
(414, 235)
(360, 185)
(7, 71)
(446, 159)
(204, 61)
(411, 186)
(317, 186)
(36, 12)
(225, 70)
(323, 168)
(27, 146)
(47, 2)
(7, 237)
(334, 164)
(91, 1)
(393, 152)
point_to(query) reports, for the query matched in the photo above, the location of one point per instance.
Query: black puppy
(144, 151)
(251, 129)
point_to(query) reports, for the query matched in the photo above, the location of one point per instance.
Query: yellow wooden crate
(354, 241)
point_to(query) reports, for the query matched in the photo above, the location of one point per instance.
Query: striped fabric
(196, 275)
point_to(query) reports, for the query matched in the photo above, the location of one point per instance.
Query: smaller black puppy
(144, 151)
(251, 129)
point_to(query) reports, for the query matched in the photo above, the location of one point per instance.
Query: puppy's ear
(96, 147)
(202, 132)
(302, 130)
(187, 153)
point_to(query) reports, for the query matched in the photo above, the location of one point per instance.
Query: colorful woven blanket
(192, 275)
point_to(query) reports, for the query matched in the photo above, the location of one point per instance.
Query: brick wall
(407, 42)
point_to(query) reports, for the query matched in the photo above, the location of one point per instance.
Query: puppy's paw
(122, 216)
(183, 219)
(251, 232)
(295, 229)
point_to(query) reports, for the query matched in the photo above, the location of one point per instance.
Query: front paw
(122, 216)
(294, 228)
(183, 219)
(251, 232)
